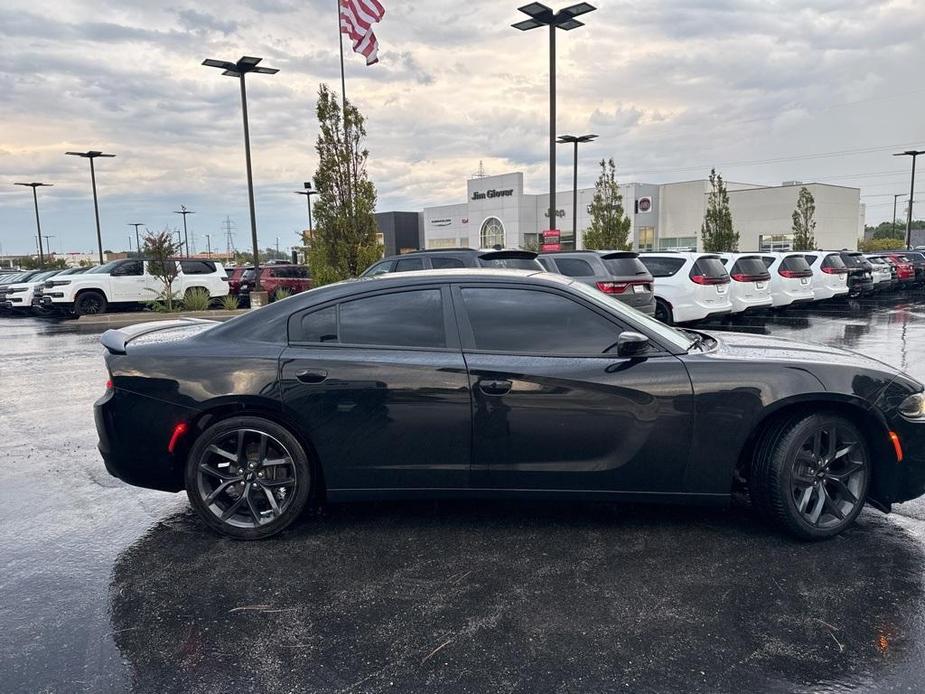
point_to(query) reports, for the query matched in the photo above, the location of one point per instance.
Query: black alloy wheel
(811, 475)
(663, 312)
(90, 304)
(248, 477)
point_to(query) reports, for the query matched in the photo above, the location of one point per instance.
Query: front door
(379, 386)
(127, 282)
(552, 410)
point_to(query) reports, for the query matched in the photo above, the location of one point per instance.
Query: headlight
(57, 283)
(913, 407)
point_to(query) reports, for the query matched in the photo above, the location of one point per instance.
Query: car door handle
(495, 387)
(312, 376)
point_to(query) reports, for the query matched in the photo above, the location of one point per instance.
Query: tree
(876, 245)
(345, 239)
(610, 227)
(160, 250)
(32, 263)
(717, 231)
(804, 222)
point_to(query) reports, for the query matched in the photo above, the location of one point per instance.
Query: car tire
(810, 475)
(90, 303)
(236, 485)
(663, 312)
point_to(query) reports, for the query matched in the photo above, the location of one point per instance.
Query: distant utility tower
(228, 231)
(481, 172)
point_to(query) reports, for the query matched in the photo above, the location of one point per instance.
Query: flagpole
(343, 113)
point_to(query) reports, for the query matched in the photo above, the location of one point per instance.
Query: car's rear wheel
(663, 312)
(811, 474)
(90, 303)
(248, 477)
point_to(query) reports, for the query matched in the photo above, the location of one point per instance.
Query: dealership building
(665, 216)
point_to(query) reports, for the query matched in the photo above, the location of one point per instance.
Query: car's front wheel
(90, 303)
(810, 475)
(248, 477)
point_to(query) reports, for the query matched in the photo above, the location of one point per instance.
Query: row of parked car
(680, 287)
(674, 287)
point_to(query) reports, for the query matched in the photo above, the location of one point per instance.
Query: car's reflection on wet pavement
(109, 588)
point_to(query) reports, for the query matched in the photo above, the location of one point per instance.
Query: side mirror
(631, 343)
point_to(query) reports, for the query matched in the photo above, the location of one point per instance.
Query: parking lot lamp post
(910, 153)
(38, 224)
(308, 192)
(240, 69)
(91, 155)
(137, 237)
(184, 211)
(565, 139)
(564, 19)
(209, 245)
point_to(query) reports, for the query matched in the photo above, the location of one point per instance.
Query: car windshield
(668, 334)
(104, 269)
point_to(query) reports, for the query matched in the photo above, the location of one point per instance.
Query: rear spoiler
(508, 254)
(116, 340)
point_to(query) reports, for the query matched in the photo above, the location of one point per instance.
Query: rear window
(834, 261)
(197, 267)
(753, 267)
(796, 263)
(662, 267)
(625, 267)
(851, 260)
(709, 267)
(574, 267)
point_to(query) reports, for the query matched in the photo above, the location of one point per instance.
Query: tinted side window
(379, 268)
(575, 267)
(523, 320)
(133, 268)
(439, 262)
(320, 326)
(547, 264)
(810, 259)
(408, 264)
(300, 272)
(663, 267)
(197, 267)
(404, 319)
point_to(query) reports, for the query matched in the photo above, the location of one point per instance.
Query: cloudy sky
(766, 90)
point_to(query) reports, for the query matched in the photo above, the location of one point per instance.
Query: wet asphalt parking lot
(110, 588)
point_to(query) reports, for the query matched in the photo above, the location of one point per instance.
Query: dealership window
(775, 242)
(678, 243)
(442, 243)
(646, 238)
(492, 233)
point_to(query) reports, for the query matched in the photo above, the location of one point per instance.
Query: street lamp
(540, 15)
(137, 238)
(38, 223)
(91, 155)
(893, 223)
(308, 192)
(240, 69)
(910, 153)
(573, 139)
(209, 245)
(185, 211)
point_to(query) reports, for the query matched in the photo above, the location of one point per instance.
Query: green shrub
(281, 293)
(196, 299)
(230, 302)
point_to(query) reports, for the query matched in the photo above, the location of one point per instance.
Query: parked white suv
(688, 286)
(16, 297)
(750, 288)
(830, 274)
(126, 282)
(791, 278)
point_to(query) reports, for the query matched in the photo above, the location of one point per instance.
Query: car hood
(745, 346)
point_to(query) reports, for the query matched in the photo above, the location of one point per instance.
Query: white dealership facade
(663, 216)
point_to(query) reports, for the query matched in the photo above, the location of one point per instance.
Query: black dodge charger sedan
(499, 383)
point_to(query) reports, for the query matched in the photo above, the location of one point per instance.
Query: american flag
(356, 20)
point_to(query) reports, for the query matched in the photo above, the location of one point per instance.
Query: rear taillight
(109, 384)
(742, 277)
(703, 279)
(612, 287)
(794, 274)
(835, 271)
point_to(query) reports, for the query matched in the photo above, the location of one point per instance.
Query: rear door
(553, 411)
(379, 386)
(712, 282)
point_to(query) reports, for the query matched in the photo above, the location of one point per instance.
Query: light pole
(137, 238)
(48, 251)
(91, 155)
(240, 69)
(209, 245)
(893, 223)
(185, 211)
(540, 15)
(573, 139)
(308, 192)
(38, 224)
(910, 153)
